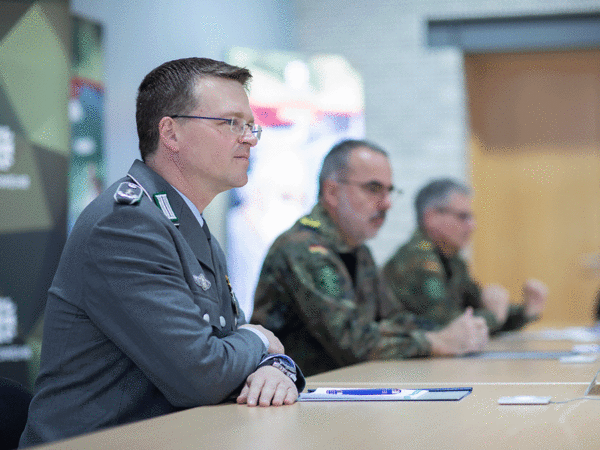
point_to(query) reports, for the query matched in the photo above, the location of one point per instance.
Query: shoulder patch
(310, 222)
(318, 249)
(329, 282)
(434, 288)
(128, 193)
(424, 245)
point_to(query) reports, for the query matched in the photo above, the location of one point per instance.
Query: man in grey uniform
(141, 319)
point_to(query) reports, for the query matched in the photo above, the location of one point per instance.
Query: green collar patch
(161, 200)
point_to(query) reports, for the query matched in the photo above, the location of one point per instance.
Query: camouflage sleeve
(418, 282)
(472, 297)
(516, 319)
(325, 298)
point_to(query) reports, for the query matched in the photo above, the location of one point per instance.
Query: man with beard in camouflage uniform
(429, 277)
(320, 291)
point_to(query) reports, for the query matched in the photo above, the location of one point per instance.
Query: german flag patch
(318, 249)
(432, 266)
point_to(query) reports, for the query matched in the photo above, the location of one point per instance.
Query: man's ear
(330, 193)
(430, 219)
(167, 134)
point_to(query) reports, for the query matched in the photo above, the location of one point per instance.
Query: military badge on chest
(202, 281)
(234, 301)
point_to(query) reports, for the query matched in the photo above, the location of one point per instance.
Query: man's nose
(249, 138)
(385, 202)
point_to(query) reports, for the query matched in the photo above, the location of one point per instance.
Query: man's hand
(535, 294)
(268, 386)
(465, 334)
(496, 299)
(275, 345)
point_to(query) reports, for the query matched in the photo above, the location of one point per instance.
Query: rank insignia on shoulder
(424, 245)
(202, 281)
(318, 249)
(128, 193)
(310, 222)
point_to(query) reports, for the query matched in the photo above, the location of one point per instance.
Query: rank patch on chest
(128, 193)
(202, 281)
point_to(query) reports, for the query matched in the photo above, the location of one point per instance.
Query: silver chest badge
(201, 281)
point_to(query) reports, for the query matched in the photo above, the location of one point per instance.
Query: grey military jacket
(140, 318)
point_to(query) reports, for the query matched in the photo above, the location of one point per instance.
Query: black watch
(283, 363)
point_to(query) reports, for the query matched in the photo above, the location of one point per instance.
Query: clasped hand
(465, 334)
(268, 386)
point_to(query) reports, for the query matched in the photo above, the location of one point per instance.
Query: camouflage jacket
(325, 320)
(419, 282)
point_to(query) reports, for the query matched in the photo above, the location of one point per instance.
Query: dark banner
(35, 48)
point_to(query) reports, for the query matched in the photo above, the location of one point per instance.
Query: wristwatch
(283, 363)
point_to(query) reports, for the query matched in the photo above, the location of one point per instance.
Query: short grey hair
(336, 162)
(435, 194)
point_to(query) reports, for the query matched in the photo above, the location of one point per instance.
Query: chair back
(14, 406)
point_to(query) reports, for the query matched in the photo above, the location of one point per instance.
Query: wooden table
(460, 371)
(470, 370)
(475, 422)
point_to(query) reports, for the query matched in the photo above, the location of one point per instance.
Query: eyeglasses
(463, 216)
(374, 188)
(237, 126)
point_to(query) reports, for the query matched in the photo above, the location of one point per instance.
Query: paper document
(385, 394)
(522, 355)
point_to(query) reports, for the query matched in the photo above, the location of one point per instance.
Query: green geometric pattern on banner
(35, 48)
(25, 210)
(49, 165)
(59, 22)
(8, 117)
(33, 60)
(88, 51)
(11, 12)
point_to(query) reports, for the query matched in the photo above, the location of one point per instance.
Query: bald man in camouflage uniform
(320, 291)
(430, 278)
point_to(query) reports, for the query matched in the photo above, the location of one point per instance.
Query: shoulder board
(307, 221)
(128, 193)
